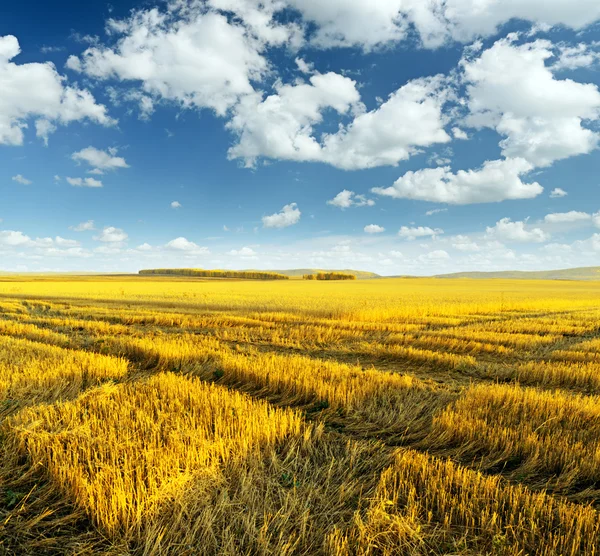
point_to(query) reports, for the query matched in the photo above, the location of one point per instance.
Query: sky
(397, 136)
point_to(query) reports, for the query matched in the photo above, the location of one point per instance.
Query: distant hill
(295, 272)
(583, 273)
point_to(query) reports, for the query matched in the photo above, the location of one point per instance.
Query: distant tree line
(329, 276)
(251, 275)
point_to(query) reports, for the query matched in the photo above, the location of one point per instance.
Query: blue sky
(398, 136)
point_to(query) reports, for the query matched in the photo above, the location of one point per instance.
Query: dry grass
(152, 416)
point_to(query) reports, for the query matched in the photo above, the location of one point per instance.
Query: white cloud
(459, 133)
(22, 180)
(495, 181)
(83, 226)
(14, 238)
(175, 205)
(354, 22)
(374, 229)
(84, 182)
(43, 245)
(435, 211)
(110, 234)
(437, 255)
(282, 125)
(510, 89)
(62, 242)
(567, 217)
(464, 243)
(466, 19)
(57, 179)
(183, 244)
(244, 253)
(506, 230)
(304, 66)
(288, 216)
(396, 254)
(412, 233)
(410, 119)
(99, 160)
(259, 19)
(36, 91)
(578, 56)
(346, 199)
(198, 60)
(379, 22)
(557, 193)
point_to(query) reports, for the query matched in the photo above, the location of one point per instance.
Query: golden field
(185, 416)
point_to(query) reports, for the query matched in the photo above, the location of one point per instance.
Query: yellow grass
(172, 415)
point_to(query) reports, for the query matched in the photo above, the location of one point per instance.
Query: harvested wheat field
(173, 415)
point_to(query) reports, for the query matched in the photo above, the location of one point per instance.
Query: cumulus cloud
(43, 245)
(282, 125)
(409, 120)
(195, 58)
(518, 232)
(412, 233)
(100, 161)
(37, 92)
(567, 217)
(437, 255)
(459, 134)
(557, 193)
(175, 205)
(495, 181)
(374, 229)
(373, 24)
(13, 238)
(22, 180)
(512, 90)
(463, 20)
(346, 199)
(464, 243)
(63, 242)
(183, 244)
(84, 182)
(581, 55)
(288, 216)
(354, 22)
(110, 234)
(83, 226)
(244, 253)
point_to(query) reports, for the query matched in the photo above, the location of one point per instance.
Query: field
(165, 415)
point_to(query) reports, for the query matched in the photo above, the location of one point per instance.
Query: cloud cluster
(100, 161)
(200, 60)
(84, 182)
(507, 230)
(110, 234)
(288, 216)
(512, 90)
(37, 92)
(412, 233)
(496, 180)
(346, 199)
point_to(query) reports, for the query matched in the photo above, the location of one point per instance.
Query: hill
(582, 273)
